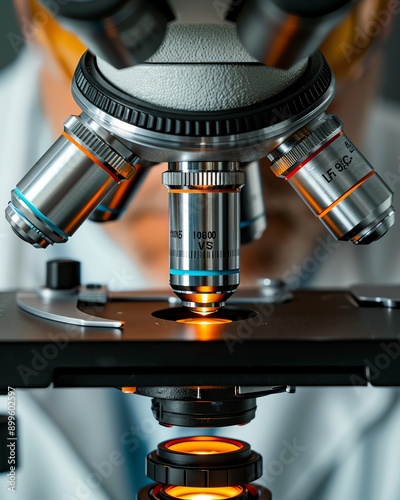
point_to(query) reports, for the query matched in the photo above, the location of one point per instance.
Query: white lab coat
(320, 444)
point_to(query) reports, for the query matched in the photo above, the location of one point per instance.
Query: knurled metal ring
(98, 147)
(282, 163)
(211, 179)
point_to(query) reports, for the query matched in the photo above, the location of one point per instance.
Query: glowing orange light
(129, 390)
(204, 311)
(204, 321)
(204, 445)
(187, 493)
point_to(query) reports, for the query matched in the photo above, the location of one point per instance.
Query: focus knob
(63, 274)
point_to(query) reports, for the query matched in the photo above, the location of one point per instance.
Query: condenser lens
(204, 445)
(187, 493)
(204, 465)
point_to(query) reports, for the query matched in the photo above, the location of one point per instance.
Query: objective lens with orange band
(335, 181)
(64, 187)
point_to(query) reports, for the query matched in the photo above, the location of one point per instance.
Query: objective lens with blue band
(68, 182)
(40, 215)
(30, 228)
(204, 234)
(206, 272)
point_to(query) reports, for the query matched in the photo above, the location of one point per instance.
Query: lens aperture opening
(204, 445)
(188, 493)
(204, 450)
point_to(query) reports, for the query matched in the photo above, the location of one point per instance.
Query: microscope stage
(317, 338)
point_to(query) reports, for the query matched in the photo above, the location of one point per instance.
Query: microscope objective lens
(69, 181)
(336, 182)
(204, 210)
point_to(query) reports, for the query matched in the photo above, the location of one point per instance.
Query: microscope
(211, 88)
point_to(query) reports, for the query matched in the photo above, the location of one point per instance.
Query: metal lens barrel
(115, 203)
(204, 211)
(64, 187)
(253, 219)
(335, 181)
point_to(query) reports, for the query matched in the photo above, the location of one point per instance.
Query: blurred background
(390, 78)
(8, 24)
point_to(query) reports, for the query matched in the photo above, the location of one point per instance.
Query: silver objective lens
(204, 217)
(64, 187)
(253, 219)
(335, 181)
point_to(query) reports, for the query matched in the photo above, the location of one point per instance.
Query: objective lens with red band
(335, 181)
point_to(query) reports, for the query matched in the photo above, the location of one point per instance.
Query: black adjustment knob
(63, 274)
